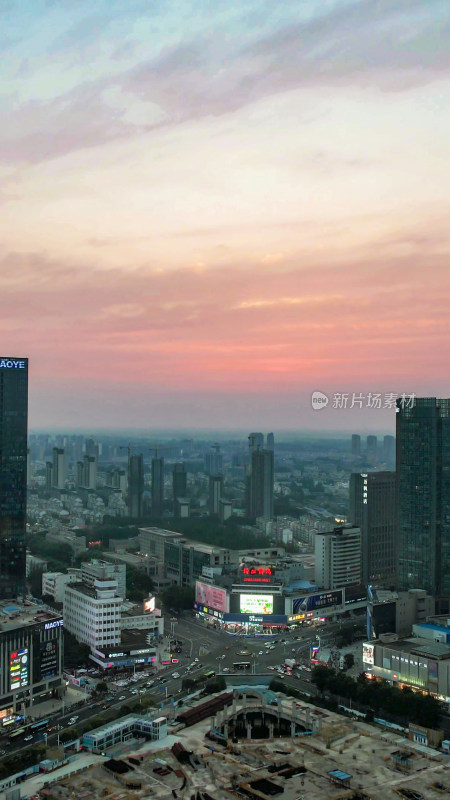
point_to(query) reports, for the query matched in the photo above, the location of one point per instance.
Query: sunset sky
(211, 209)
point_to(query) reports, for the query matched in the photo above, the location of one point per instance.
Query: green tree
(76, 655)
(180, 598)
(101, 687)
(349, 660)
(35, 581)
(139, 585)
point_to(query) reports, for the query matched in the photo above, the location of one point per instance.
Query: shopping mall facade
(256, 605)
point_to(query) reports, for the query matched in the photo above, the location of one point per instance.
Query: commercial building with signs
(31, 657)
(262, 608)
(13, 475)
(415, 662)
(115, 630)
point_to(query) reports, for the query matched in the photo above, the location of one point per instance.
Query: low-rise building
(397, 612)
(133, 726)
(54, 583)
(414, 662)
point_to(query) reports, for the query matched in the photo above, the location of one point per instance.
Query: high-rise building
(13, 475)
(260, 485)
(135, 485)
(157, 487)
(356, 444)
(373, 509)
(338, 558)
(59, 468)
(215, 493)
(372, 449)
(214, 460)
(179, 482)
(389, 450)
(87, 473)
(255, 442)
(423, 469)
(48, 476)
(270, 441)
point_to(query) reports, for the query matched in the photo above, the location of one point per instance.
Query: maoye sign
(257, 574)
(9, 363)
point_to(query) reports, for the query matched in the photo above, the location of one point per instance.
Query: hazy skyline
(209, 211)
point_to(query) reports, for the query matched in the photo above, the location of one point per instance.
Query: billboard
(316, 602)
(368, 653)
(210, 596)
(149, 605)
(18, 669)
(256, 604)
(48, 660)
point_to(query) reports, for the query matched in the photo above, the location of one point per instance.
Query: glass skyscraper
(13, 475)
(423, 468)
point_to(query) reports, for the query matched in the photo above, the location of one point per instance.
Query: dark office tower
(255, 442)
(372, 448)
(389, 450)
(215, 493)
(91, 448)
(214, 460)
(179, 482)
(260, 484)
(373, 509)
(423, 469)
(157, 487)
(356, 444)
(270, 442)
(59, 468)
(48, 476)
(13, 475)
(135, 485)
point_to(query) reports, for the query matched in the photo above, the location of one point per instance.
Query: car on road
(196, 660)
(261, 653)
(175, 674)
(223, 656)
(122, 697)
(2, 752)
(28, 739)
(150, 683)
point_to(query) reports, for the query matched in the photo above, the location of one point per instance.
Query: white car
(122, 697)
(175, 674)
(196, 660)
(28, 738)
(261, 653)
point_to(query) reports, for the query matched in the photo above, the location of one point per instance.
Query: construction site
(317, 754)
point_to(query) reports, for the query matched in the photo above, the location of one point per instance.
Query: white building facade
(93, 613)
(338, 556)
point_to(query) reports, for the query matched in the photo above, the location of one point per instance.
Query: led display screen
(18, 669)
(256, 604)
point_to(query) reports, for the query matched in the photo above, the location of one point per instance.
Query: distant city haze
(212, 210)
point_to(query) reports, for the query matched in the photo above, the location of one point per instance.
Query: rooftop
(419, 646)
(14, 614)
